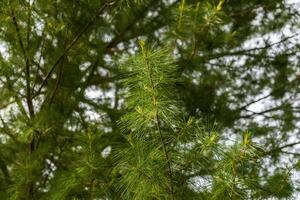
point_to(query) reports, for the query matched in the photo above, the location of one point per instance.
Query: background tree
(63, 95)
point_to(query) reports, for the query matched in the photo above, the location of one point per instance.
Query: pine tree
(148, 99)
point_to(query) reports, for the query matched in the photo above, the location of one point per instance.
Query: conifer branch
(72, 44)
(157, 118)
(38, 63)
(27, 65)
(57, 83)
(31, 145)
(246, 51)
(277, 149)
(111, 45)
(254, 101)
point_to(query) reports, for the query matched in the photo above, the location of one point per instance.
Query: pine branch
(278, 149)
(150, 80)
(27, 65)
(38, 63)
(246, 51)
(254, 101)
(31, 145)
(72, 44)
(157, 118)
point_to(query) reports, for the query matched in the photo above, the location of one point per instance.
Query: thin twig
(281, 147)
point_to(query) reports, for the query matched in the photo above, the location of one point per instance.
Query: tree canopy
(149, 99)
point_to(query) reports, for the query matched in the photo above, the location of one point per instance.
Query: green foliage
(87, 111)
(142, 169)
(84, 171)
(151, 109)
(162, 149)
(279, 185)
